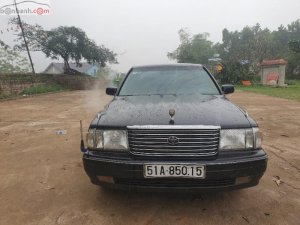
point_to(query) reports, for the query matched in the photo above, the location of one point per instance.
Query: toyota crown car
(171, 127)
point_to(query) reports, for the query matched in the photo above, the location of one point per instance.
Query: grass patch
(39, 89)
(290, 92)
(3, 96)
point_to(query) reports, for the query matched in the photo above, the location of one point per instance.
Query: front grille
(192, 140)
(176, 182)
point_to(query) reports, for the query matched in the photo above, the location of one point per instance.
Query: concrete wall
(269, 72)
(14, 84)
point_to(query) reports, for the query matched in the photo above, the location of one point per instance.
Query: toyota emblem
(173, 140)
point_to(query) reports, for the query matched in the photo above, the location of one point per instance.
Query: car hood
(154, 110)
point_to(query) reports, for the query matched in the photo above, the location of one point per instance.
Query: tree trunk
(66, 67)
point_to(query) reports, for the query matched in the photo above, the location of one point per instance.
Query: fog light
(106, 179)
(242, 180)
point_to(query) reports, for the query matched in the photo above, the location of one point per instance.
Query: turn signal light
(106, 179)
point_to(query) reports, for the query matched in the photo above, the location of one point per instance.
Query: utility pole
(23, 34)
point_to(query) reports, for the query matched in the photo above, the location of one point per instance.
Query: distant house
(86, 68)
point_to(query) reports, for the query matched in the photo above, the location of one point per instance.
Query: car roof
(169, 65)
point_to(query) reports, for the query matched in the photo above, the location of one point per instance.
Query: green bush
(41, 89)
(293, 82)
(234, 73)
(3, 96)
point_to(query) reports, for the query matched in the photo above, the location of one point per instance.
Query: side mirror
(111, 90)
(227, 88)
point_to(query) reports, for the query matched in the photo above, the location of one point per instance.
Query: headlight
(90, 138)
(257, 138)
(115, 140)
(239, 139)
(107, 139)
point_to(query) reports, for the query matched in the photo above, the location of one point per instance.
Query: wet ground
(42, 180)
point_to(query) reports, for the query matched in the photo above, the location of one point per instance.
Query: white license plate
(174, 170)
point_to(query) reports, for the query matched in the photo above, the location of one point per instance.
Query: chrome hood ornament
(172, 114)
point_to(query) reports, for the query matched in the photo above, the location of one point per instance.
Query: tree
(281, 38)
(192, 49)
(11, 61)
(295, 46)
(293, 55)
(68, 43)
(294, 59)
(251, 44)
(243, 50)
(294, 30)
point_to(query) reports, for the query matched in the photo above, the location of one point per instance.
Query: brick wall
(13, 84)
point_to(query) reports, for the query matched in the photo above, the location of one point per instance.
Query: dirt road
(42, 180)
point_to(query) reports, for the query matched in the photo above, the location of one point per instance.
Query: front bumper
(229, 171)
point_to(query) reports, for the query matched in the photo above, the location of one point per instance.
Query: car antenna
(82, 148)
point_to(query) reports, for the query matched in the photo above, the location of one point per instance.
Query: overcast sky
(143, 31)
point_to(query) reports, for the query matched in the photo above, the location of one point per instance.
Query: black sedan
(170, 127)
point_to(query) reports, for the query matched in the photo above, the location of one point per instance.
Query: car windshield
(170, 80)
